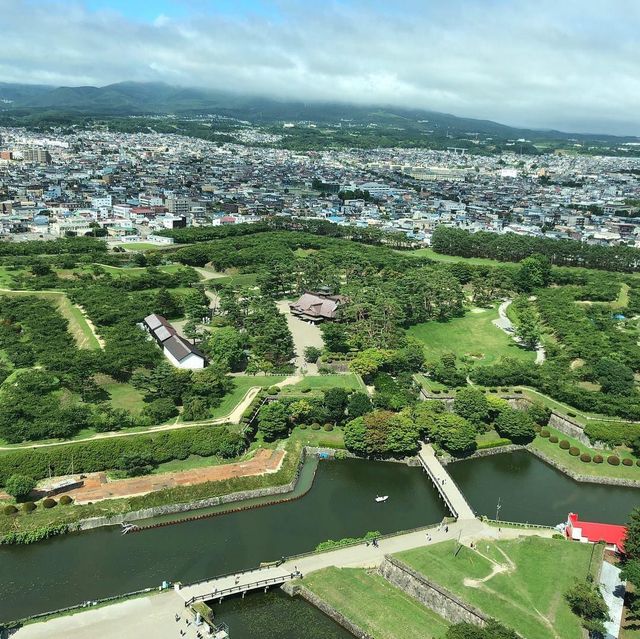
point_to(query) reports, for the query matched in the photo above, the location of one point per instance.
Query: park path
(503, 322)
(233, 417)
(155, 615)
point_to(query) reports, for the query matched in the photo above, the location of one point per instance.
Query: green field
(236, 281)
(440, 257)
(348, 381)
(142, 246)
(472, 336)
(519, 582)
(374, 605)
(121, 395)
(320, 438)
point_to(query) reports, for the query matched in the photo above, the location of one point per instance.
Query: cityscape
(319, 320)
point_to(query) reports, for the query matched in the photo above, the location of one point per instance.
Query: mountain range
(145, 98)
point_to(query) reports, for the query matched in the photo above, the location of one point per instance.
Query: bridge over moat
(449, 491)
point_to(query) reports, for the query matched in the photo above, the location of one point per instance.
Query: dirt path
(507, 326)
(97, 487)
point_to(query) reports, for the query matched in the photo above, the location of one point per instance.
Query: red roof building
(587, 531)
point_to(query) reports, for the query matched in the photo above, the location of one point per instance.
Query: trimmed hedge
(585, 457)
(613, 460)
(627, 462)
(65, 500)
(28, 507)
(544, 432)
(107, 454)
(574, 451)
(9, 509)
(553, 439)
(496, 443)
(49, 503)
(598, 459)
(564, 444)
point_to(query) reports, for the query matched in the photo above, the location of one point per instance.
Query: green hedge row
(108, 454)
(612, 433)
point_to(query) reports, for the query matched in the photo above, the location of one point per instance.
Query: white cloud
(570, 64)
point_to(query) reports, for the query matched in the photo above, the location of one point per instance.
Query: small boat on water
(127, 528)
(382, 498)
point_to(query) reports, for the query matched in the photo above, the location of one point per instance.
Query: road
(507, 326)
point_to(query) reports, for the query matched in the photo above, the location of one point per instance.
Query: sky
(572, 65)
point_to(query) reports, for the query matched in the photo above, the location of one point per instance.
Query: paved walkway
(446, 486)
(154, 616)
(304, 335)
(613, 589)
(507, 326)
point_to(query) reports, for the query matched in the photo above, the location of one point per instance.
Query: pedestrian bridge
(449, 491)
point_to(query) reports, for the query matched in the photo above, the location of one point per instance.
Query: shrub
(553, 439)
(306, 390)
(436, 392)
(28, 507)
(570, 414)
(585, 457)
(49, 502)
(302, 427)
(574, 451)
(273, 390)
(627, 461)
(328, 427)
(544, 432)
(315, 426)
(518, 391)
(564, 444)
(613, 460)
(493, 390)
(65, 500)
(637, 462)
(612, 433)
(20, 486)
(9, 509)
(598, 459)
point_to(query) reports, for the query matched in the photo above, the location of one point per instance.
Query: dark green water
(103, 562)
(100, 563)
(275, 615)
(531, 491)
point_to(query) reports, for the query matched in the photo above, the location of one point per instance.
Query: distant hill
(143, 98)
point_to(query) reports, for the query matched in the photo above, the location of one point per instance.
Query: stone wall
(341, 453)
(430, 594)
(485, 452)
(171, 509)
(570, 428)
(587, 479)
(330, 611)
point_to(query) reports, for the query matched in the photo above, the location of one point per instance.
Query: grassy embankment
(373, 604)
(519, 582)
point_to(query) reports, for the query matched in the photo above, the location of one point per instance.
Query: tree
(195, 408)
(166, 304)
(632, 538)
(135, 464)
(335, 337)
(20, 486)
(586, 601)
(381, 433)
(359, 404)
(160, 410)
(534, 272)
(528, 329)
(41, 269)
(492, 630)
(226, 348)
(369, 361)
(516, 425)
(471, 404)
(614, 376)
(272, 420)
(311, 354)
(539, 413)
(455, 434)
(335, 402)
(300, 411)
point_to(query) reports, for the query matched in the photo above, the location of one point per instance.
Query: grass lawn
(348, 381)
(6, 277)
(578, 416)
(429, 384)
(122, 395)
(440, 257)
(573, 463)
(241, 388)
(142, 246)
(527, 595)
(78, 326)
(238, 280)
(473, 336)
(320, 438)
(373, 604)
